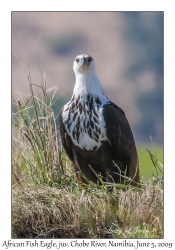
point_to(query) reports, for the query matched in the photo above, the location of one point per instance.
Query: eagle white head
(84, 64)
(87, 81)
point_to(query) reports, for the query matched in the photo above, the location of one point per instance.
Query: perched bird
(95, 132)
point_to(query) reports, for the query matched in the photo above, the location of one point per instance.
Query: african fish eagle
(95, 132)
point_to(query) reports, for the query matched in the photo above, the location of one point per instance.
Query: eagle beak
(83, 61)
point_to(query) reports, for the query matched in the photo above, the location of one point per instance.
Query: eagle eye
(89, 59)
(77, 60)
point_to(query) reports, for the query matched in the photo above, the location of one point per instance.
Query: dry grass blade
(157, 164)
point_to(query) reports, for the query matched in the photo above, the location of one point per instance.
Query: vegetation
(147, 162)
(47, 200)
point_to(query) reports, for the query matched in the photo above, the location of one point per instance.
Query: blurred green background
(147, 169)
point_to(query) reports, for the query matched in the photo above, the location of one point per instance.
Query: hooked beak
(83, 61)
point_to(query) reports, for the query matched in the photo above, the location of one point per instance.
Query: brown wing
(66, 141)
(120, 136)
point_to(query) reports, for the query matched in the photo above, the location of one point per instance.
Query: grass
(147, 168)
(47, 200)
(51, 212)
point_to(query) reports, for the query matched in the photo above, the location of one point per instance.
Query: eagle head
(83, 64)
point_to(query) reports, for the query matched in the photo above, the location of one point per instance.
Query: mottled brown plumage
(119, 148)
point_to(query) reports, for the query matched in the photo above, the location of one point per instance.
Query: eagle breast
(84, 122)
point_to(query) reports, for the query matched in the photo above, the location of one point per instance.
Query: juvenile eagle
(95, 132)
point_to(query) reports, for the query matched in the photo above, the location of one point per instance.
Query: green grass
(147, 169)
